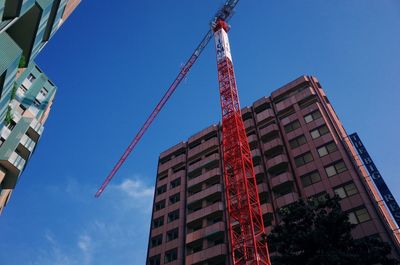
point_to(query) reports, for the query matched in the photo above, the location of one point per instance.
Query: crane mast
(246, 228)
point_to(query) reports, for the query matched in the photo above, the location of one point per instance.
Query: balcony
(249, 123)
(14, 164)
(252, 138)
(5, 132)
(204, 177)
(262, 187)
(266, 208)
(203, 212)
(204, 162)
(295, 98)
(271, 144)
(280, 179)
(276, 161)
(217, 188)
(27, 143)
(269, 129)
(207, 254)
(205, 232)
(306, 93)
(258, 170)
(35, 129)
(264, 115)
(174, 161)
(213, 142)
(256, 153)
(286, 199)
(284, 104)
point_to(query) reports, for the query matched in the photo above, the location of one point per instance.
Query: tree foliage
(22, 62)
(319, 233)
(8, 118)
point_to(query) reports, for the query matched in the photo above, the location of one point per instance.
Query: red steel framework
(246, 228)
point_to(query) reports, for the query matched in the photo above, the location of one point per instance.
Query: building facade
(300, 150)
(26, 94)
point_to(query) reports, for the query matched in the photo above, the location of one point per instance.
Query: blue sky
(112, 63)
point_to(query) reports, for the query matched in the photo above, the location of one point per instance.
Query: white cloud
(135, 188)
(85, 245)
(108, 227)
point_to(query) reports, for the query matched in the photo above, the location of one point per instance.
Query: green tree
(8, 118)
(319, 233)
(22, 62)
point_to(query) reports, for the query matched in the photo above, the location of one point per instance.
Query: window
(171, 255)
(327, 149)
(172, 216)
(156, 241)
(158, 222)
(322, 130)
(161, 189)
(298, 141)
(359, 216)
(44, 92)
(172, 234)
(283, 189)
(268, 218)
(263, 197)
(178, 168)
(36, 102)
(11, 125)
(175, 183)
(292, 126)
(312, 116)
(303, 159)
(310, 178)
(346, 190)
(336, 168)
(31, 78)
(23, 88)
(247, 116)
(23, 108)
(2, 140)
(159, 205)
(155, 260)
(174, 198)
(256, 160)
(162, 176)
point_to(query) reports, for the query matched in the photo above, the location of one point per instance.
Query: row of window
(169, 256)
(170, 235)
(356, 215)
(331, 170)
(172, 200)
(308, 118)
(343, 191)
(322, 151)
(172, 216)
(173, 184)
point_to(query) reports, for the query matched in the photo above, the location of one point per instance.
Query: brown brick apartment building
(300, 150)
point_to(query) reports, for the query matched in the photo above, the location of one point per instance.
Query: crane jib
(225, 13)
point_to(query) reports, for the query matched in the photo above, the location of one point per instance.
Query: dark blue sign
(377, 178)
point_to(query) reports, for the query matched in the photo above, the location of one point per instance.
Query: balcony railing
(207, 254)
(205, 232)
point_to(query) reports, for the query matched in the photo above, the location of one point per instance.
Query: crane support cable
(156, 110)
(224, 13)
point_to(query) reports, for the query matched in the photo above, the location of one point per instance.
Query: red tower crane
(246, 228)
